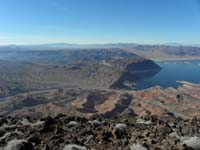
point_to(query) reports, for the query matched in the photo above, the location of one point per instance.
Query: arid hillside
(22, 71)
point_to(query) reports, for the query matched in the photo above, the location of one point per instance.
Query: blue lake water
(182, 70)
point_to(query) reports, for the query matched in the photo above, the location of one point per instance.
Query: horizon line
(110, 43)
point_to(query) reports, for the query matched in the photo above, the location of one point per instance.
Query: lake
(182, 70)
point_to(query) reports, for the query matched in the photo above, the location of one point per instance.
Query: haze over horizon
(99, 21)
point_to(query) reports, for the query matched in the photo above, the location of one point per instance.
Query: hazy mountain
(165, 51)
(68, 45)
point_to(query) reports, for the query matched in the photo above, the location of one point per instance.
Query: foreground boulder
(120, 126)
(137, 147)
(18, 145)
(74, 147)
(193, 142)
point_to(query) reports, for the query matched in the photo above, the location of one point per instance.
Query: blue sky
(99, 21)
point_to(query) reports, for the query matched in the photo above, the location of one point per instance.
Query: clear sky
(99, 21)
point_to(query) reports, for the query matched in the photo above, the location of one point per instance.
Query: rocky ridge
(96, 133)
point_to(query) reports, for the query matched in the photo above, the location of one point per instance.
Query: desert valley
(99, 98)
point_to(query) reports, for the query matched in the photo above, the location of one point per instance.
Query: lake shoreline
(172, 71)
(175, 59)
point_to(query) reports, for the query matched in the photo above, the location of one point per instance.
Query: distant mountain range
(164, 51)
(67, 46)
(107, 45)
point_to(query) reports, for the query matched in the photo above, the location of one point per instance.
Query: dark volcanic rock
(34, 139)
(100, 135)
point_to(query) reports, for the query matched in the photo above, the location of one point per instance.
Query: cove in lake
(172, 71)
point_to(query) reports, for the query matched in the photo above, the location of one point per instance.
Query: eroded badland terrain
(84, 99)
